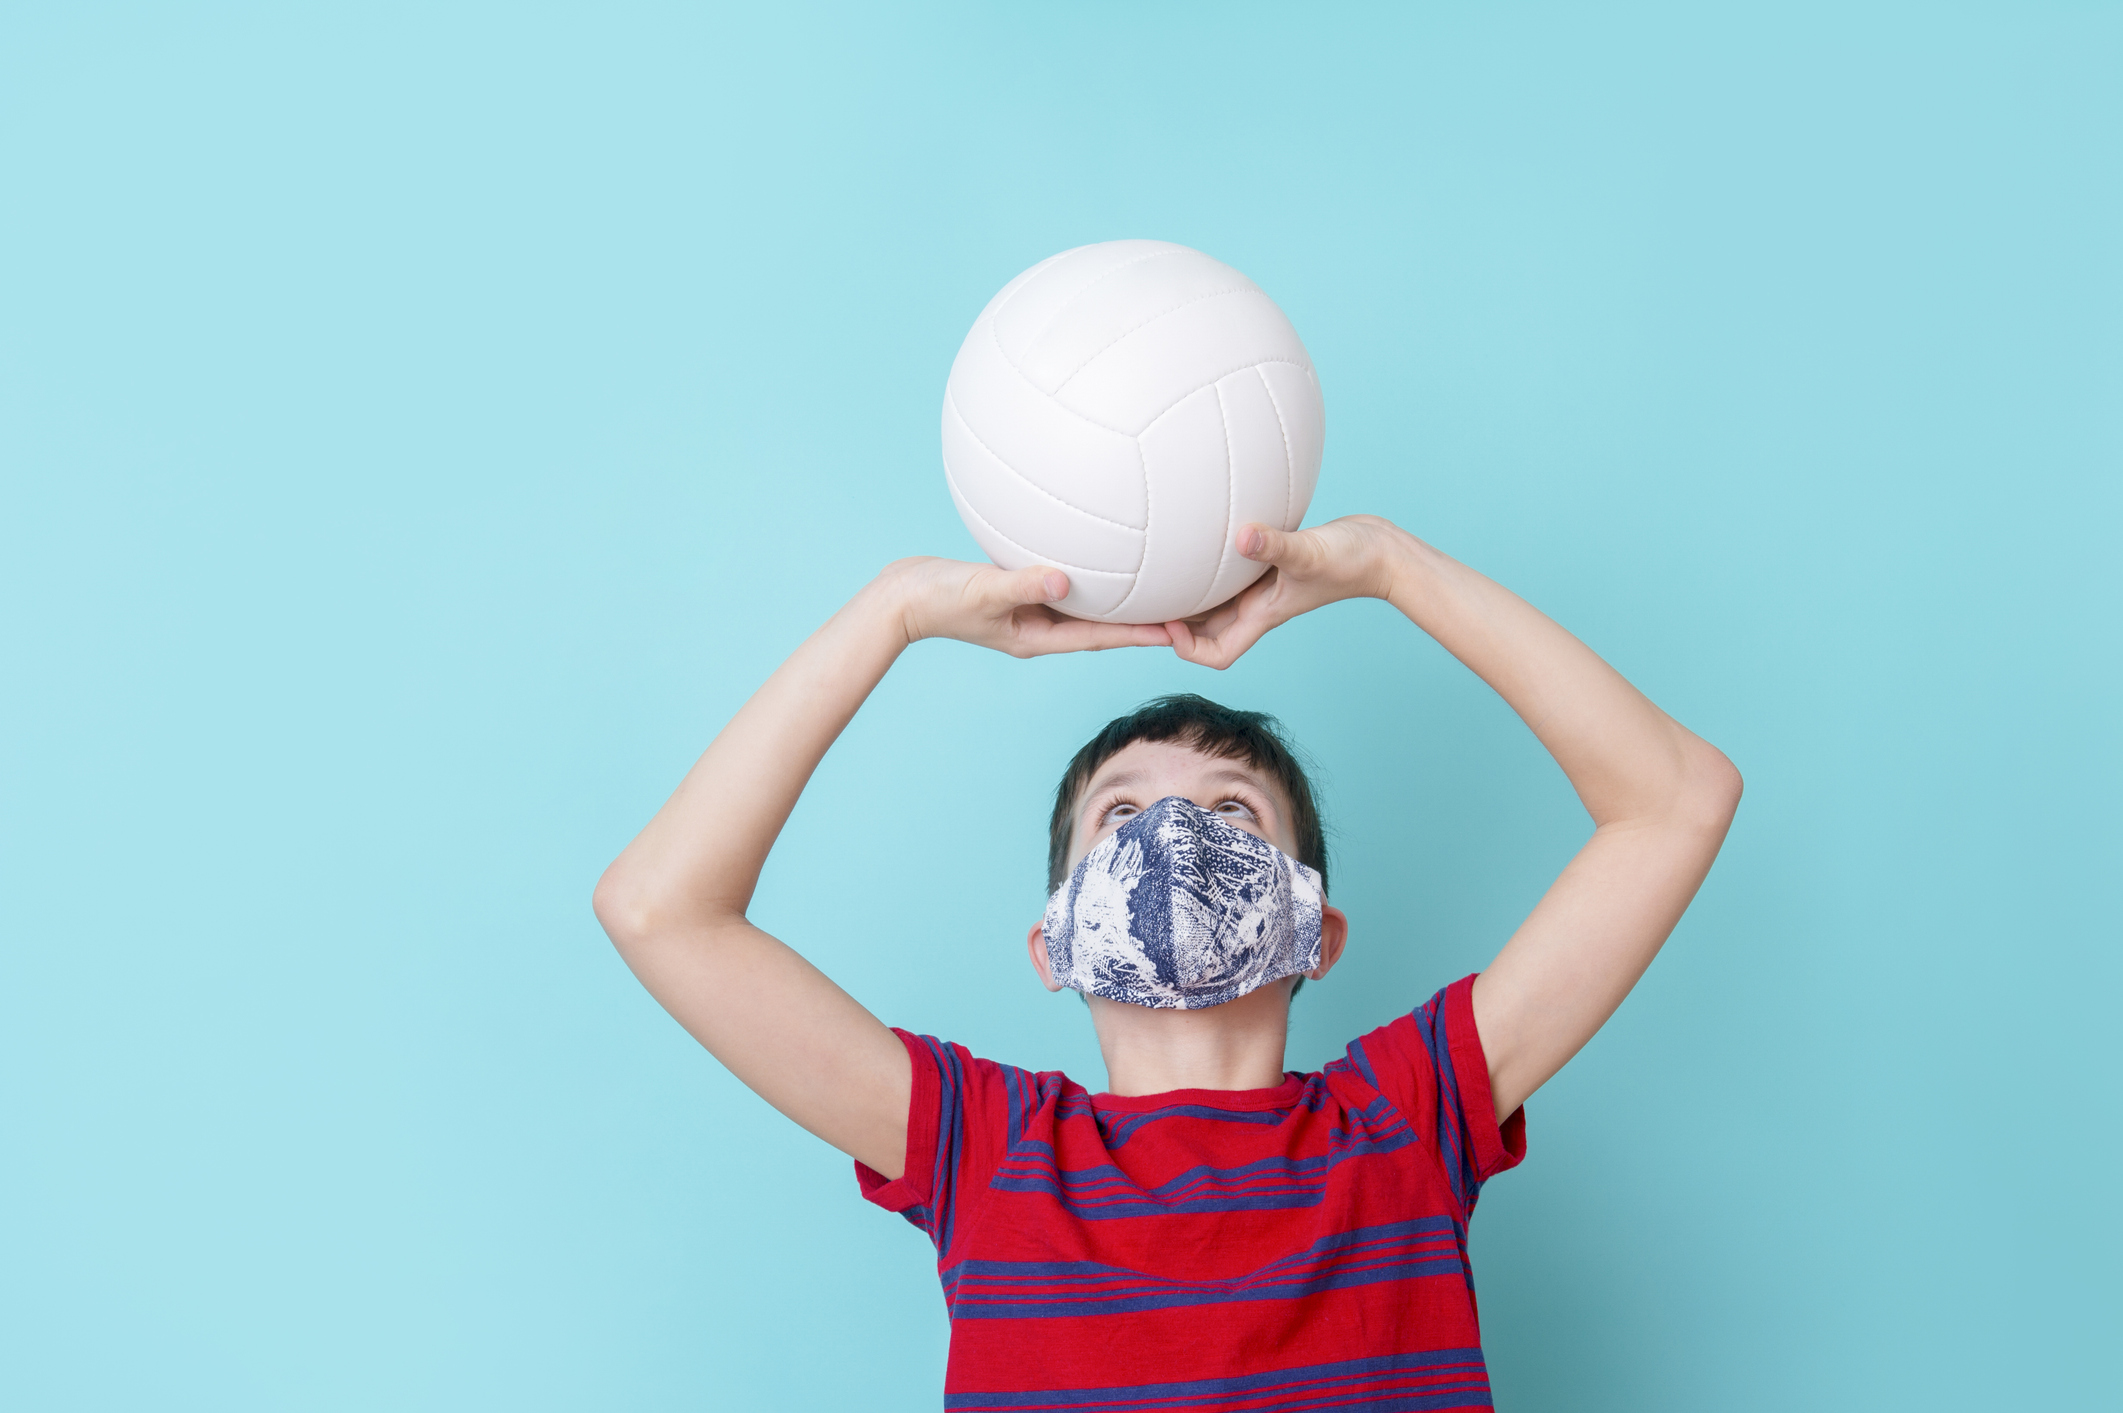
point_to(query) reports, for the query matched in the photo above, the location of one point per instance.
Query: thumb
(1035, 584)
(1283, 548)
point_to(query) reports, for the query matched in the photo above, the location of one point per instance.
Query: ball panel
(1093, 468)
(1129, 298)
(1022, 278)
(1260, 476)
(1056, 283)
(1135, 379)
(998, 547)
(1189, 476)
(1097, 596)
(1028, 515)
(1092, 594)
(1296, 393)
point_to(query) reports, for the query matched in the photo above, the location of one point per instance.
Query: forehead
(1172, 768)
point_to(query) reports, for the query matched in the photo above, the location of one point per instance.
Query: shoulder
(1402, 1059)
(1431, 1066)
(960, 1085)
(1426, 1059)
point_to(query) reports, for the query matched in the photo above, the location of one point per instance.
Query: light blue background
(424, 425)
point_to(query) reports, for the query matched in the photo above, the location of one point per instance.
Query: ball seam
(1055, 317)
(1167, 412)
(1132, 332)
(1112, 612)
(952, 404)
(1003, 354)
(1037, 557)
(1223, 423)
(1289, 461)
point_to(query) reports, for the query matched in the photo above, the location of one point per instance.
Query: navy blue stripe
(1451, 1119)
(1307, 1386)
(1013, 1079)
(964, 1308)
(1315, 1400)
(1289, 1201)
(1297, 1169)
(1339, 1400)
(1363, 1064)
(1389, 1236)
(1367, 1256)
(1118, 1129)
(1249, 1187)
(950, 1142)
(1360, 1236)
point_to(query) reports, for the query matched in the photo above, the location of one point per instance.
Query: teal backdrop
(423, 425)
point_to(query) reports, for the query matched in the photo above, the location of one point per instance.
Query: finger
(1252, 598)
(1060, 634)
(1134, 635)
(1216, 620)
(1228, 646)
(1181, 635)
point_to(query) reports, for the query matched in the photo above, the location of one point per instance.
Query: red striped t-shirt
(1267, 1250)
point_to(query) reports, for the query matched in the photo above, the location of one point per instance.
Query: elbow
(1712, 786)
(622, 909)
(636, 913)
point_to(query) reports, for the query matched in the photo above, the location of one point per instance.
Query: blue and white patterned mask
(1180, 910)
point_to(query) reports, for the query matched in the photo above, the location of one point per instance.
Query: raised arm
(674, 902)
(1660, 797)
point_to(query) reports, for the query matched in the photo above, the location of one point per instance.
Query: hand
(1005, 609)
(1342, 559)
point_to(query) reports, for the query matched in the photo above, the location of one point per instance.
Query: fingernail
(1057, 587)
(1249, 541)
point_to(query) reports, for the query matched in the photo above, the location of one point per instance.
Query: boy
(1212, 1234)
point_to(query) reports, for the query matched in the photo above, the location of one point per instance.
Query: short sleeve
(1430, 1065)
(957, 1118)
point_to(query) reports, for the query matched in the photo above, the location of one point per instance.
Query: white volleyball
(1119, 411)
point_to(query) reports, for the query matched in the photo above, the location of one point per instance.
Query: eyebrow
(1228, 773)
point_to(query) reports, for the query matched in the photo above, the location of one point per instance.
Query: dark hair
(1251, 736)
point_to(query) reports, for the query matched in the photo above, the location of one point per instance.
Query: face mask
(1178, 910)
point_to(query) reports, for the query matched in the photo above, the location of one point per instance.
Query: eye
(1235, 809)
(1117, 812)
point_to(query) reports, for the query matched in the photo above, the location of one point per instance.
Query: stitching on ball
(1138, 260)
(1037, 557)
(1289, 461)
(1147, 517)
(1116, 524)
(1039, 391)
(1257, 363)
(1223, 422)
(1009, 292)
(1130, 333)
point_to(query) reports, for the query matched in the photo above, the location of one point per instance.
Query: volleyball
(1118, 412)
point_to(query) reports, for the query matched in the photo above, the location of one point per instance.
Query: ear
(1036, 948)
(1334, 937)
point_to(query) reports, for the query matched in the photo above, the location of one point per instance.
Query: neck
(1238, 1045)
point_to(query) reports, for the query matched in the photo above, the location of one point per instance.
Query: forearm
(1627, 759)
(700, 857)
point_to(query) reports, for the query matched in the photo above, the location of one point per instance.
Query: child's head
(1234, 762)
